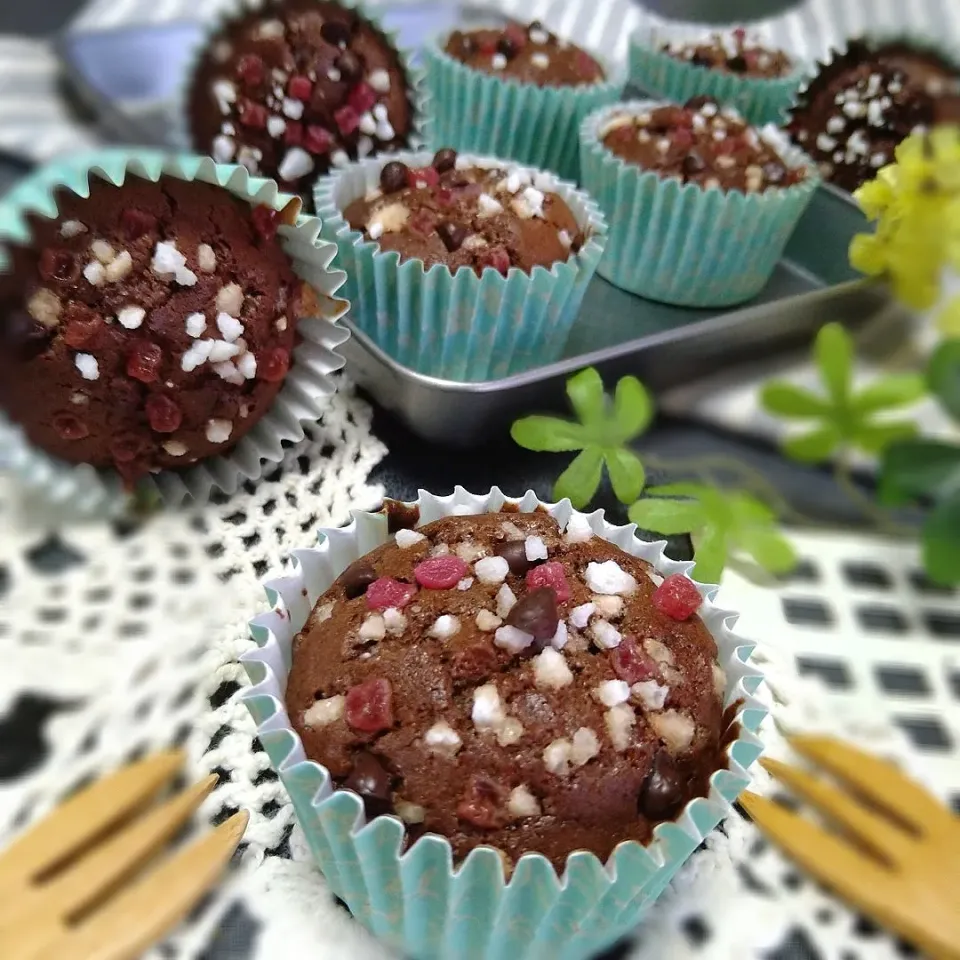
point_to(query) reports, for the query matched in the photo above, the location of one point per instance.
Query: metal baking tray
(664, 346)
(617, 332)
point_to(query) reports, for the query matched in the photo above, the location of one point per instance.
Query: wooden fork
(68, 887)
(897, 855)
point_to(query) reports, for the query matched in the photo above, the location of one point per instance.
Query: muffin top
(148, 326)
(529, 54)
(297, 87)
(861, 105)
(700, 142)
(733, 52)
(462, 215)
(500, 681)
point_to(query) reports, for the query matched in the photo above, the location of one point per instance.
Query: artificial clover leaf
(601, 433)
(842, 416)
(721, 523)
(943, 377)
(928, 470)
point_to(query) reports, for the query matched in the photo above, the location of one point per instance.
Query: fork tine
(85, 816)
(876, 832)
(855, 877)
(120, 855)
(144, 912)
(876, 780)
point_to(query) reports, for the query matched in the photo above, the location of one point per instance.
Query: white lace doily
(146, 625)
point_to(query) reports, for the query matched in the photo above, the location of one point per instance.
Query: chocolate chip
(507, 46)
(462, 44)
(663, 790)
(372, 781)
(444, 159)
(335, 32)
(737, 64)
(349, 65)
(701, 60)
(536, 613)
(692, 164)
(356, 578)
(59, 266)
(515, 553)
(535, 26)
(24, 337)
(698, 103)
(482, 804)
(452, 234)
(393, 176)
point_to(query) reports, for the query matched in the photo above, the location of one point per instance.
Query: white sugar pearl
(609, 577)
(491, 570)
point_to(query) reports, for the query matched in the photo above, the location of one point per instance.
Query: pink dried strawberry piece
(677, 597)
(423, 176)
(630, 663)
(253, 114)
(362, 97)
(250, 69)
(387, 592)
(683, 138)
(347, 120)
(482, 804)
(317, 139)
(369, 706)
(553, 575)
(266, 220)
(299, 88)
(496, 257)
(440, 573)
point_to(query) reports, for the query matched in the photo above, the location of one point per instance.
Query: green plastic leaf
(580, 480)
(746, 510)
(680, 489)
(876, 437)
(627, 475)
(668, 517)
(711, 555)
(813, 447)
(784, 399)
(585, 390)
(632, 408)
(768, 547)
(919, 468)
(833, 350)
(548, 434)
(941, 541)
(943, 376)
(887, 393)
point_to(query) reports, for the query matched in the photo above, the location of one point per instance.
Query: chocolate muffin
(732, 52)
(297, 87)
(148, 326)
(700, 142)
(529, 54)
(863, 103)
(461, 215)
(500, 681)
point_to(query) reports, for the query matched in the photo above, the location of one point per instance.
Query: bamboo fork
(68, 887)
(897, 857)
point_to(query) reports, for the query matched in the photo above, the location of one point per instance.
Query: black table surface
(410, 464)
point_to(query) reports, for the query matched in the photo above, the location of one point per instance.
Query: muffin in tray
(498, 682)
(865, 101)
(517, 91)
(147, 326)
(734, 67)
(459, 266)
(700, 203)
(296, 87)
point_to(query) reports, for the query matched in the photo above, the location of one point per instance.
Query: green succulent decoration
(603, 429)
(723, 524)
(842, 418)
(928, 471)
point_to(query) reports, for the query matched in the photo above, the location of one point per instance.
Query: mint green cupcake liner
(759, 100)
(416, 900)
(477, 112)
(679, 243)
(181, 137)
(82, 490)
(458, 326)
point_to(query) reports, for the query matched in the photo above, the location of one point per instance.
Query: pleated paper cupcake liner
(417, 900)
(458, 326)
(477, 112)
(85, 491)
(181, 136)
(682, 244)
(760, 100)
